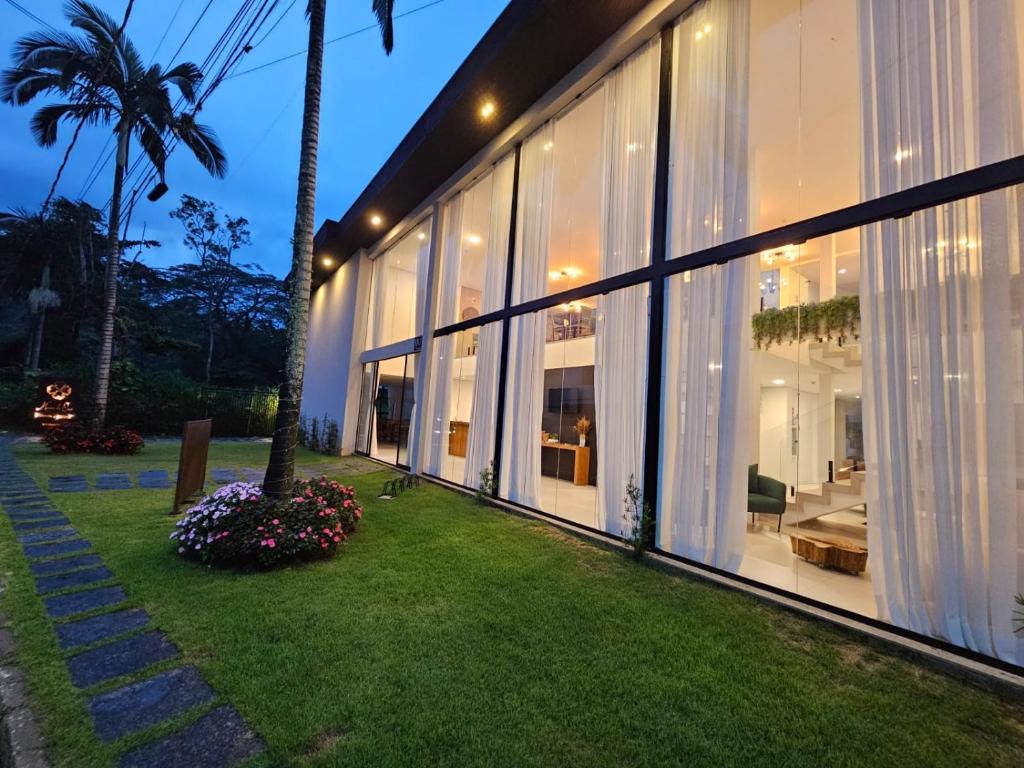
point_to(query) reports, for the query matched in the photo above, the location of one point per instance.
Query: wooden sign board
(195, 445)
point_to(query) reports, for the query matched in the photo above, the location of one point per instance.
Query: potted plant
(583, 425)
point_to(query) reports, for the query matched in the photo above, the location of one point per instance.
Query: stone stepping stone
(36, 551)
(90, 630)
(252, 475)
(113, 481)
(24, 500)
(35, 525)
(219, 739)
(154, 478)
(62, 606)
(148, 702)
(68, 484)
(47, 584)
(39, 514)
(121, 657)
(224, 476)
(57, 534)
(65, 564)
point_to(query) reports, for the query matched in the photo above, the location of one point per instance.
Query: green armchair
(765, 495)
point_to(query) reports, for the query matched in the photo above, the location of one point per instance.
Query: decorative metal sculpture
(58, 408)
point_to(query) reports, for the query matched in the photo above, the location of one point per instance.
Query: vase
(583, 441)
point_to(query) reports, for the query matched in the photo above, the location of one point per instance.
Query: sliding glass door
(386, 409)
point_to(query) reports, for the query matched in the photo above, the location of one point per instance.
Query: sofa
(765, 495)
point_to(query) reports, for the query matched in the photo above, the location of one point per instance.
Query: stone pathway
(160, 478)
(107, 641)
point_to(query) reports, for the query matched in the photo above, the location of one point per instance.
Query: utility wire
(27, 12)
(159, 45)
(345, 36)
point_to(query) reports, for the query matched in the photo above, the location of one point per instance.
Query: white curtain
(520, 466)
(483, 413)
(706, 396)
(439, 397)
(941, 310)
(620, 366)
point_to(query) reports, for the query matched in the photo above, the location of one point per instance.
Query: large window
(387, 406)
(398, 289)
(475, 247)
(791, 108)
(586, 183)
(574, 412)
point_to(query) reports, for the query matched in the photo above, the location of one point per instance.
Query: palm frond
(99, 25)
(384, 11)
(20, 86)
(203, 142)
(46, 119)
(186, 77)
(49, 49)
(152, 144)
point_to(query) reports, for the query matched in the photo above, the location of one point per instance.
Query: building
(761, 259)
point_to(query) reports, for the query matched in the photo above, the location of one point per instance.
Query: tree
(101, 78)
(277, 483)
(214, 243)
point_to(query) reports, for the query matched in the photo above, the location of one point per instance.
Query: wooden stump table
(827, 553)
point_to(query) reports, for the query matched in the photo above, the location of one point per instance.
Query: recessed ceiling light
(778, 382)
(327, 261)
(421, 236)
(474, 239)
(487, 109)
(842, 271)
(376, 220)
(837, 390)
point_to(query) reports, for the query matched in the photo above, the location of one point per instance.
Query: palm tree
(277, 483)
(101, 78)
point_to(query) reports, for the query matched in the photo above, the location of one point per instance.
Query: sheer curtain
(439, 398)
(706, 395)
(941, 323)
(620, 366)
(520, 466)
(480, 441)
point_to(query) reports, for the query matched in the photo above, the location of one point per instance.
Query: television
(563, 400)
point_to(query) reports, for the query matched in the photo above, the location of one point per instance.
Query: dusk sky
(369, 103)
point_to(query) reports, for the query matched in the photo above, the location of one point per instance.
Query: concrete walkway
(107, 641)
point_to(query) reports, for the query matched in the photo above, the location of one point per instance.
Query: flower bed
(238, 527)
(76, 438)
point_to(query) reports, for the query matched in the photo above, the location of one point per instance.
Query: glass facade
(840, 416)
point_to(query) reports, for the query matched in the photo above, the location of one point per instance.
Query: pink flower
(298, 500)
(337, 538)
(259, 527)
(302, 534)
(271, 543)
(348, 503)
(275, 521)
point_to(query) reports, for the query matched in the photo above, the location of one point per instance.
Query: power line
(347, 35)
(27, 12)
(174, 17)
(189, 35)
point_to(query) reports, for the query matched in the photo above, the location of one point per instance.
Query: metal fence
(240, 412)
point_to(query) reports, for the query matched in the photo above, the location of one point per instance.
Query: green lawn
(447, 633)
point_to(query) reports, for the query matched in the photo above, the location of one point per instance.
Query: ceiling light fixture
(706, 29)
(487, 110)
(376, 220)
(778, 382)
(842, 271)
(421, 236)
(474, 239)
(327, 261)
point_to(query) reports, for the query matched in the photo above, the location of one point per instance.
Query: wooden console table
(581, 461)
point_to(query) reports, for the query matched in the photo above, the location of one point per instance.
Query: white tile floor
(768, 557)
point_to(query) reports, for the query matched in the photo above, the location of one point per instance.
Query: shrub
(238, 527)
(77, 438)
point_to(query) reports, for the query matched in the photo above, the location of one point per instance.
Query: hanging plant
(836, 320)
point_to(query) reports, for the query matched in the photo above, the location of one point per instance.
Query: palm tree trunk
(277, 483)
(37, 345)
(99, 415)
(209, 346)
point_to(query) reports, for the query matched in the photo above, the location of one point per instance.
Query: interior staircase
(834, 497)
(835, 356)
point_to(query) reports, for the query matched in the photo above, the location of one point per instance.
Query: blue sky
(369, 103)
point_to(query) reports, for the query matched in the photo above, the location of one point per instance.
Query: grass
(451, 634)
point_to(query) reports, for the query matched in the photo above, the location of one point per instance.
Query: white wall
(337, 329)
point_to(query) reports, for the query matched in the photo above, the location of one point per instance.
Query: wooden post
(195, 446)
